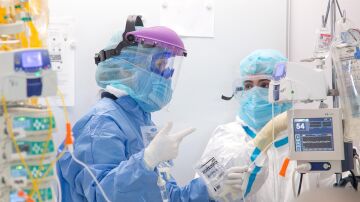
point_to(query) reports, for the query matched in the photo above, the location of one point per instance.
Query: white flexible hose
(59, 189)
(358, 166)
(91, 174)
(58, 184)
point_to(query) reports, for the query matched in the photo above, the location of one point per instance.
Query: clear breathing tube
(91, 174)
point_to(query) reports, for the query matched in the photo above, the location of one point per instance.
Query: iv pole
(331, 12)
(332, 7)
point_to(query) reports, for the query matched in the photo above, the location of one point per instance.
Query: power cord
(300, 184)
(354, 181)
(302, 169)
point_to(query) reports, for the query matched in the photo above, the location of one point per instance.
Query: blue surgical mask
(255, 109)
(159, 96)
(151, 91)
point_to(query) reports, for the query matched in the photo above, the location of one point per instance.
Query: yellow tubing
(52, 165)
(12, 136)
(49, 136)
(66, 113)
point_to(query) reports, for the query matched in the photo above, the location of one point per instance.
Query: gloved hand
(164, 147)
(235, 177)
(234, 184)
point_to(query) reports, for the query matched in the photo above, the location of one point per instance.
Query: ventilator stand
(348, 165)
(349, 152)
(353, 179)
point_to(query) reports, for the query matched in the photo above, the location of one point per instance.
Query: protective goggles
(243, 84)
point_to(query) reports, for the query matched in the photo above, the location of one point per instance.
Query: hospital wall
(208, 71)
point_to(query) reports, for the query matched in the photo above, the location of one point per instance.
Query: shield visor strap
(132, 22)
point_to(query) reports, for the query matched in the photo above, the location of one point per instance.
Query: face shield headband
(152, 37)
(132, 22)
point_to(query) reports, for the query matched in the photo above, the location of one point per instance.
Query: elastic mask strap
(132, 22)
(108, 95)
(226, 97)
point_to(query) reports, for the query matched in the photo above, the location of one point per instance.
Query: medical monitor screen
(31, 59)
(313, 134)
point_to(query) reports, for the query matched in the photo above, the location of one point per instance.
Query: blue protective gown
(108, 139)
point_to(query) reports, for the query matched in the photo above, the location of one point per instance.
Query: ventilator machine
(321, 138)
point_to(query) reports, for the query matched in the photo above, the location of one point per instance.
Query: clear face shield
(161, 62)
(148, 74)
(145, 64)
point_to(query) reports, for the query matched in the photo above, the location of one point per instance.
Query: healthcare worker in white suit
(261, 180)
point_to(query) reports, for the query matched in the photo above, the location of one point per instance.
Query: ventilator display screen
(313, 134)
(31, 59)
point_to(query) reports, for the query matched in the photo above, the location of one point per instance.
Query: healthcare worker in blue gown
(136, 72)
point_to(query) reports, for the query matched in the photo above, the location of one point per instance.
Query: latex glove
(234, 184)
(234, 177)
(164, 146)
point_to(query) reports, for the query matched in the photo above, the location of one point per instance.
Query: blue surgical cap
(114, 40)
(260, 62)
